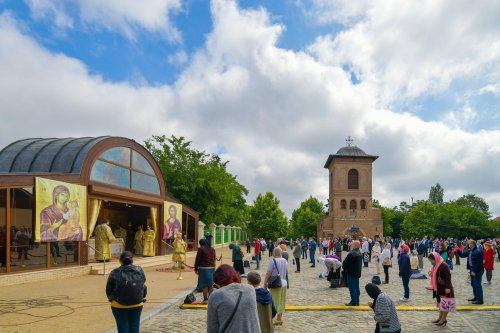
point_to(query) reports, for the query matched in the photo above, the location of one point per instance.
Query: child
(265, 306)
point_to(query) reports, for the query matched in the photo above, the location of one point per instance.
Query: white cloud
(123, 16)
(417, 47)
(277, 113)
(460, 119)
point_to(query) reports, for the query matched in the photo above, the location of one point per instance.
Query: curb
(364, 307)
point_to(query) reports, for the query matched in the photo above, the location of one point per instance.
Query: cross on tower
(349, 141)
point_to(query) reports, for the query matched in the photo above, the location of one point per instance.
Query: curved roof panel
(46, 155)
(349, 151)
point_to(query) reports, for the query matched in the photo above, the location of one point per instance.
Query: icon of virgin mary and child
(58, 222)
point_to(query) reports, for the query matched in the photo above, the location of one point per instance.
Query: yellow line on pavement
(363, 307)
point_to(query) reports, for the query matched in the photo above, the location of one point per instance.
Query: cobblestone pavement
(308, 289)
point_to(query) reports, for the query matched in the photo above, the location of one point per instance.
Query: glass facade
(3, 230)
(25, 254)
(140, 163)
(110, 174)
(118, 155)
(125, 168)
(145, 183)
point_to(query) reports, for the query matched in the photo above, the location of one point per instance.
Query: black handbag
(274, 281)
(190, 298)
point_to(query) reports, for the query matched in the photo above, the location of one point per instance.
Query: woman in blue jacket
(405, 271)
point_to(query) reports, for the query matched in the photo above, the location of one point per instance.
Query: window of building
(353, 204)
(25, 254)
(343, 204)
(362, 204)
(353, 179)
(3, 230)
(127, 168)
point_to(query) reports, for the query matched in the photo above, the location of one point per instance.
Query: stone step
(98, 268)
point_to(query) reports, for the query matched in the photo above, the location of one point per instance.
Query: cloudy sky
(273, 86)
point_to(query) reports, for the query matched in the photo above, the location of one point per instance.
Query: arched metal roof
(46, 155)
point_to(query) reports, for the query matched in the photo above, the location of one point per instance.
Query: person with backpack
(126, 290)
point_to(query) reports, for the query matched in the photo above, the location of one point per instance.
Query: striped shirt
(385, 314)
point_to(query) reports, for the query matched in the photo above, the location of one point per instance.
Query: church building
(350, 210)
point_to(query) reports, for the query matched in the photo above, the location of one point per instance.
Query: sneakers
(404, 299)
(487, 282)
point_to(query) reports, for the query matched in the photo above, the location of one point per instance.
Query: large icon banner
(61, 211)
(172, 213)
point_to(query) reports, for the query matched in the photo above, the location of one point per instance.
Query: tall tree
(266, 218)
(473, 201)
(200, 180)
(436, 194)
(304, 220)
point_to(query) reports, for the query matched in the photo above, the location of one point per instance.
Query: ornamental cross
(349, 141)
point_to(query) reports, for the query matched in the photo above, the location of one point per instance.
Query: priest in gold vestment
(103, 237)
(179, 256)
(149, 242)
(139, 241)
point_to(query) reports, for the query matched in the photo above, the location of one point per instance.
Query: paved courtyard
(308, 289)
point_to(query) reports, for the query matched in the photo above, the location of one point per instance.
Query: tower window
(352, 204)
(343, 204)
(353, 179)
(362, 204)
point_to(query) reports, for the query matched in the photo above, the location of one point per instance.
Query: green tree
(200, 180)
(436, 194)
(266, 218)
(473, 201)
(304, 220)
(420, 221)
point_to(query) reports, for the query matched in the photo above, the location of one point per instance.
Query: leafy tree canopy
(436, 194)
(266, 218)
(304, 220)
(473, 201)
(200, 180)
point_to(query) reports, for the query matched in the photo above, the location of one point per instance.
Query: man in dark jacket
(352, 268)
(475, 265)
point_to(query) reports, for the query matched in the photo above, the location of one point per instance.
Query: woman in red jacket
(489, 259)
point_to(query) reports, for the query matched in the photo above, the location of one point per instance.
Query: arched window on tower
(343, 204)
(353, 205)
(362, 204)
(352, 179)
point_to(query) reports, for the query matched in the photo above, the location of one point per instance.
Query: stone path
(308, 289)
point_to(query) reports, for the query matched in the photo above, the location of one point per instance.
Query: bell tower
(350, 208)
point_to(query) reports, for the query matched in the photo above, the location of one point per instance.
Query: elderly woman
(233, 307)
(376, 252)
(440, 284)
(278, 266)
(386, 260)
(204, 267)
(384, 309)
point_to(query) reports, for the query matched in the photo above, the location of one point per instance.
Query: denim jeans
(353, 284)
(406, 285)
(257, 260)
(304, 253)
(477, 288)
(311, 255)
(127, 320)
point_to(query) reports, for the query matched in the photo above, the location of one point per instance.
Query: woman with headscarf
(278, 266)
(233, 307)
(204, 267)
(376, 252)
(440, 284)
(237, 258)
(384, 310)
(405, 271)
(386, 260)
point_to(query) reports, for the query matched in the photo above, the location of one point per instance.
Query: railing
(102, 254)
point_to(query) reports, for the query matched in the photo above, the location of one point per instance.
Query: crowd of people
(258, 304)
